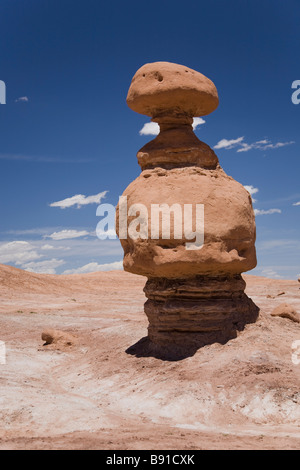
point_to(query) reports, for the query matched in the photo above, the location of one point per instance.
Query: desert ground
(99, 392)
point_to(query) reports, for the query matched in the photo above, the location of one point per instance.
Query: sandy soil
(96, 394)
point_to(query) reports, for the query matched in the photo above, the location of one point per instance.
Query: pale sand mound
(96, 395)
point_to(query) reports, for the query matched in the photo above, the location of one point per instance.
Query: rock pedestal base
(193, 312)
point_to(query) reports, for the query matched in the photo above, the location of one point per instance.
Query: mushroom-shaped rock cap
(166, 88)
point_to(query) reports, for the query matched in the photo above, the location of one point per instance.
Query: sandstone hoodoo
(195, 296)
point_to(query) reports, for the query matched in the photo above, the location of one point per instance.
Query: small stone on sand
(286, 311)
(51, 336)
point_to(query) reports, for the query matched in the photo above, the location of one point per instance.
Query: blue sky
(66, 128)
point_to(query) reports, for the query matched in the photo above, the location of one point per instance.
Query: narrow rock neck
(173, 121)
(176, 146)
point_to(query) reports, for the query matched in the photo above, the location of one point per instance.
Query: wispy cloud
(93, 267)
(34, 234)
(22, 99)
(228, 144)
(266, 212)
(296, 203)
(24, 255)
(41, 256)
(79, 200)
(51, 247)
(278, 271)
(43, 267)
(47, 247)
(17, 252)
(243, 146)
(269, 272)
(152, 128)
(68, 234)
(283, 200)
(281, 243)
(32, 231)
(263, 145)
(252, 190)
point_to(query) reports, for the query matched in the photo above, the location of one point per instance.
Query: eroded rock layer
(197, 311)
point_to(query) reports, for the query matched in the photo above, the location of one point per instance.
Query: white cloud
(228, 144)
(66, 234)
(152, 128)
(264, 144)
(197, 121)
(43, 267)
(296, 203)
(277, 145)
(252, 190)
(88, 248)
(79, 200)
(245, 147)
(48, 256)
(93, 267)
(269, 272)
(109, 234)
(22, 99)
(17, 252)
(33, 231)
(24, 255)
(265, 141)
(51, 247)
(265, 212)
(282, 271)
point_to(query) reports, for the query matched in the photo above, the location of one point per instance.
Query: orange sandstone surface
(195, 297)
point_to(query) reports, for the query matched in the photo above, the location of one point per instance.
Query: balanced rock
(164, 88)
(195, 293)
